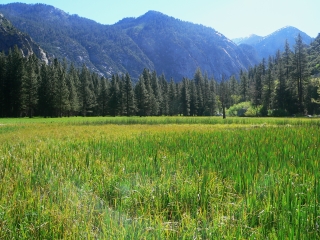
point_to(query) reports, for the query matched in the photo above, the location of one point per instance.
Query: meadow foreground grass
(159, 178)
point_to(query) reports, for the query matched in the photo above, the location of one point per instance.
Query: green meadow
(159, 178)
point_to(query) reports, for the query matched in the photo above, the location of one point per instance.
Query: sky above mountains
(233, 18)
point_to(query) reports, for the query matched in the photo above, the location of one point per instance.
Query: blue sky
(233, 18)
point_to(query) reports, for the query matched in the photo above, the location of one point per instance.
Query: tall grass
(163, 120)
(242, 180)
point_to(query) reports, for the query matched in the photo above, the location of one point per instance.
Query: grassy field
(159, 178)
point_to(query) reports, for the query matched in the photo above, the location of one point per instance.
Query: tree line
(277, 87)
(29, 87)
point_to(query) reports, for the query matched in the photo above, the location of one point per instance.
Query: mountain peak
(286, 30)
(269, 44)
(289, 27)
(151, 14)
(154, 13)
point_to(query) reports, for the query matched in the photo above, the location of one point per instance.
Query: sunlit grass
(159, 178)
(161, 120)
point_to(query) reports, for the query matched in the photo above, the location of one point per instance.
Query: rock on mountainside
(269, 45)
(10, 36)
(154, 40)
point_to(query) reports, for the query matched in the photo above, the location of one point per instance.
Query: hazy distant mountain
(10, 36)
(266, 46)
(154, 40)
(250, 40)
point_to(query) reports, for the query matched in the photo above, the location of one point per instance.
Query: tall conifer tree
(85, 91)
(73, 98)
(103, 97)
(142, 97)
(185, 97)
(2, 83)
(128, 96)
(13, 85)
(114, 101)
(30, 85)
(300, 71)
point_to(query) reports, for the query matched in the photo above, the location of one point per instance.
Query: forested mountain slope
(103, 49)
(177, 48)
(154, 41)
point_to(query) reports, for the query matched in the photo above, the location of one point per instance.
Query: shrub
(239, 109)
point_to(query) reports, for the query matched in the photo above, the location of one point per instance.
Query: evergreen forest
(286, 84)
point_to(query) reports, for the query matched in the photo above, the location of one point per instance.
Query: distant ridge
(250, 40)
(268, 45)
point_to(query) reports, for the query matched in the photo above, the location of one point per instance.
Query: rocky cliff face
(10, 36)
(154, 40)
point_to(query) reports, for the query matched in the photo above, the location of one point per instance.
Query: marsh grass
(151, 178)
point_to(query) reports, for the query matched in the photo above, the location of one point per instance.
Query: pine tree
(44, 93)
(95, 85)
(86, 95)
(142, 97)
(234, 90)
(206, 96)
(72, 82)
(300, 71)
(258, 78)
(199, 82)
(212, 98)
(244, 87)
(172, 98)
(53, 76)
(268, 86)
(103, 97)
(156, 88)
(287, 61)
(280, 85)
(30, 85)
(13, 85)
(164, 105)
(128, 96)
(62, 92)
(153, 105)
(224, 96)
(2, 83)
(185, 97)
(114, 101)
(193, 99)
(290, 97)
(121, 96)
